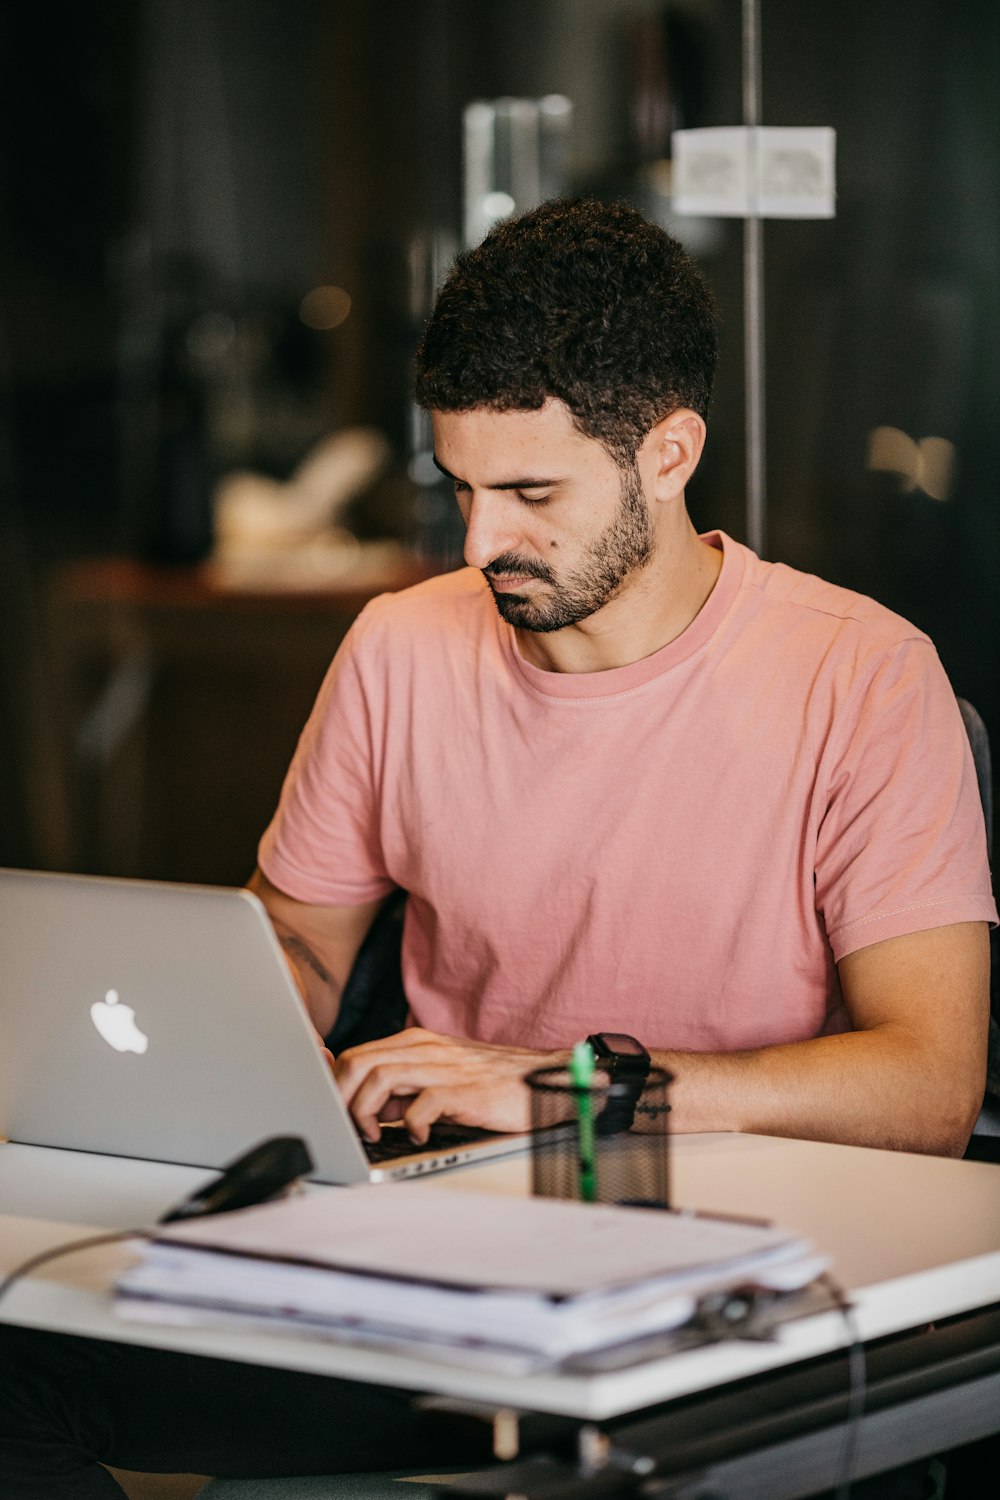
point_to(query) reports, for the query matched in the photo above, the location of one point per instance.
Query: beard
(622, 549)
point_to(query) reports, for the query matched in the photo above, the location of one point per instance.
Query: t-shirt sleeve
(902, 845)
(323, 843)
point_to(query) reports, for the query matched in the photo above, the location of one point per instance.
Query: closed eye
(527, 496)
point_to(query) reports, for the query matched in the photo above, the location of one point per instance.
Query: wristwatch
(628, 1063)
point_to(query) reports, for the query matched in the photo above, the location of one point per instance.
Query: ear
(672, 450)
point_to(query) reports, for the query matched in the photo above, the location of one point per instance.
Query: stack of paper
(526, 1280)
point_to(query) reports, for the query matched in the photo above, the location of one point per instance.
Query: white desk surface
(913, 1239)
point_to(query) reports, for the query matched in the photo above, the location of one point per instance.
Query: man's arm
(320, 944)
(909, 1077)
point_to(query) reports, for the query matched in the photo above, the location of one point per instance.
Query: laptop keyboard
(396, 1142)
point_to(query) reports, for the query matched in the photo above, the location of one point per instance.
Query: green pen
(581, 1071)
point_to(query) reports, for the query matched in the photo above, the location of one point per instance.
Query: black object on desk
(260, 1174)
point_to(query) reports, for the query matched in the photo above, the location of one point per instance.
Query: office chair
(985, 1142)
(979, 739)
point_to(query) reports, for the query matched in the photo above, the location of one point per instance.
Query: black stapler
(260, 1174)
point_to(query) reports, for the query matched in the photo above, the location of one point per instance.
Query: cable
(856, 1387)
(67, 1248)
(259, 1175)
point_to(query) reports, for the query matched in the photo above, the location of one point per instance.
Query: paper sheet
(539, 1245)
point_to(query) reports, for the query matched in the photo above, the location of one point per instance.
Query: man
(660, 788)
(671, 790)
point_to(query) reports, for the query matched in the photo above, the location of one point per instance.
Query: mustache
(509, 563)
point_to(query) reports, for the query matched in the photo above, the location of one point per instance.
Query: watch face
(621, 1055)
(622, 1045)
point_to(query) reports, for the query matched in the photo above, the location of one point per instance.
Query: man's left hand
(418, 1077)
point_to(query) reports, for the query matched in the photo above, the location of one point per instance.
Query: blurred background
(221, 226)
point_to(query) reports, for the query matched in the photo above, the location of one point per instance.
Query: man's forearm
(318, 989)
(320, 944)
(866, 1088)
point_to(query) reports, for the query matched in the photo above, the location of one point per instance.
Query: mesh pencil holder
(584, 1147)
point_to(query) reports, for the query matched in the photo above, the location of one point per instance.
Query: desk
(914, 1239)
(182, 696)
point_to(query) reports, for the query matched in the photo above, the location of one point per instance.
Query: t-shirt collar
(624, 679)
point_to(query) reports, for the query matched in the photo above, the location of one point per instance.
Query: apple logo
(116, 1024)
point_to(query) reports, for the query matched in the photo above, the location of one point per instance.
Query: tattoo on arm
(297, 949)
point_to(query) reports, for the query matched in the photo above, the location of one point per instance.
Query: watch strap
(630, 1069)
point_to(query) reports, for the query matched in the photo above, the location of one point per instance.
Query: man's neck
(656, 605)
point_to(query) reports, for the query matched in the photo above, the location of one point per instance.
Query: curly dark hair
(581, 300)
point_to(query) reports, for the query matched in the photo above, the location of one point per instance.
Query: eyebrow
(507, 484)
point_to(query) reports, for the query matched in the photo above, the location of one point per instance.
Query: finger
(443, 1102)
(369, 1125)
(356, 1065)
(503, 1105)
(395, 1080)
(410, 1036)
(394, 1109)
(384, 1083)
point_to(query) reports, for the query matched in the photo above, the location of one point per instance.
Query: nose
(489, 529)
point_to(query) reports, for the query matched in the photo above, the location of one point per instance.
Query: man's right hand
(419, 1077)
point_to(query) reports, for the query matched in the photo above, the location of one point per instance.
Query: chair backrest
(980, 741)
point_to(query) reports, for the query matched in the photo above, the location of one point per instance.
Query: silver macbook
(160, 1021)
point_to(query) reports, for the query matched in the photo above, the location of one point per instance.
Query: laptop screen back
(157, 1021)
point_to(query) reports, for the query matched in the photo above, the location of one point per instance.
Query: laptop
(160, 1021)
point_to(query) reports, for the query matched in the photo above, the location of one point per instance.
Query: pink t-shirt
(681, 848)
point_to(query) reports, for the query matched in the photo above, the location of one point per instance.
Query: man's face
(555, 525)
